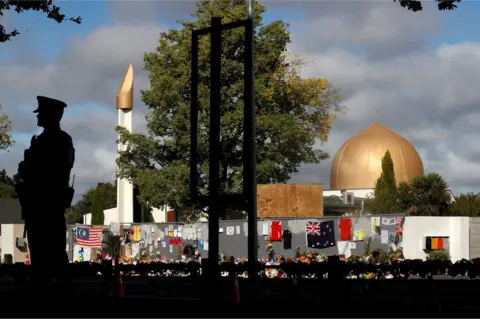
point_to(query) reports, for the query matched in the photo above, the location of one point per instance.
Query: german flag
(436, 243)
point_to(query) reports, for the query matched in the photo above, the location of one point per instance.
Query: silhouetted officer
(45, 193)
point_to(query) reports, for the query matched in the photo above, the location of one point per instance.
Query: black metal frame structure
(217, 201)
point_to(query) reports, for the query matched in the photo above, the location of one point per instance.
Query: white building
(161, 215)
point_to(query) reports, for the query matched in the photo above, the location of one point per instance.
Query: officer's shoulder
(57, 136)
(64, 135)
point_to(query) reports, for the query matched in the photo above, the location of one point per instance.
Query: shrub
(442, 255)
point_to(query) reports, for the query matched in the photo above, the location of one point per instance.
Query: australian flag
(320, 235)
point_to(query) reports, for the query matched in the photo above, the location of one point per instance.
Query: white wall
(111, 216)
(159, 215)
(361, 193)
(456, 228)
(8, 240)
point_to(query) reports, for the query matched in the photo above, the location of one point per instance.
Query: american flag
(313, 228)
(89, 236)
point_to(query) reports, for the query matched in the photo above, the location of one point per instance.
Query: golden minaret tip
(125, 93)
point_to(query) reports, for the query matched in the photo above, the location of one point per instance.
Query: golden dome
(358, 163)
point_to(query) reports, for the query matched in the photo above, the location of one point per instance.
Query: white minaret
(125, 108)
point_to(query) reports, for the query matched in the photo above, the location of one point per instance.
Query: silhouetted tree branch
(45, 6)
(415, 5)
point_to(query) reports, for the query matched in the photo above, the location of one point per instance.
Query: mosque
(358, 164)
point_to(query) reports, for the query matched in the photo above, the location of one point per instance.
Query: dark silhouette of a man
(44, 193)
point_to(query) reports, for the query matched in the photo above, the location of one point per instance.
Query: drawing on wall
(397, 242)
(81, 254)
(264, 229)
(391, 237)
(135, 233)
(375, 226)
(384, 237)
(230, 231)
(344, 248)
(388, 221)
(358, 235)
(135, 249)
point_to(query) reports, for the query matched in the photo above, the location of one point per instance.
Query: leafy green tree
(6, 140)
(146, 211)
(385, 194)
(98, 216)
(406, 197)
(466, 205)
(5, 179)
(293, 113)
(108, 192)
(7, 185)
(7, 191)
(425, 196)
(111, 245)
(43, 6)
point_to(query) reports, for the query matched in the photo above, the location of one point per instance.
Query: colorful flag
(312, 230)
(89, 236)
(327, 234)
(320, 235)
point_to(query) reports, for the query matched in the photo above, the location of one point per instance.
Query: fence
(331, 269)
(233, 237)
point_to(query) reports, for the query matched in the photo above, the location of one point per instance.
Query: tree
(43, 6)
(466, 205)
(97, 208)
(111, 245)
(5, 179)
(425, 196)
(7, 192)
(7, 185)
(108, 192)
(6, 140)
(292, 113)
(146, 211)
(416, 5)
(385, 194)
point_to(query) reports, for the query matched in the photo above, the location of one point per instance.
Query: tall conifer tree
(98, 216)
(385, 201)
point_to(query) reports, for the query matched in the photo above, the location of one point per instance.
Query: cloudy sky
(415, 72)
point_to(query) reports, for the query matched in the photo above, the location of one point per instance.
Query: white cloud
(377, 53)
(88, 71)
(429, 96)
